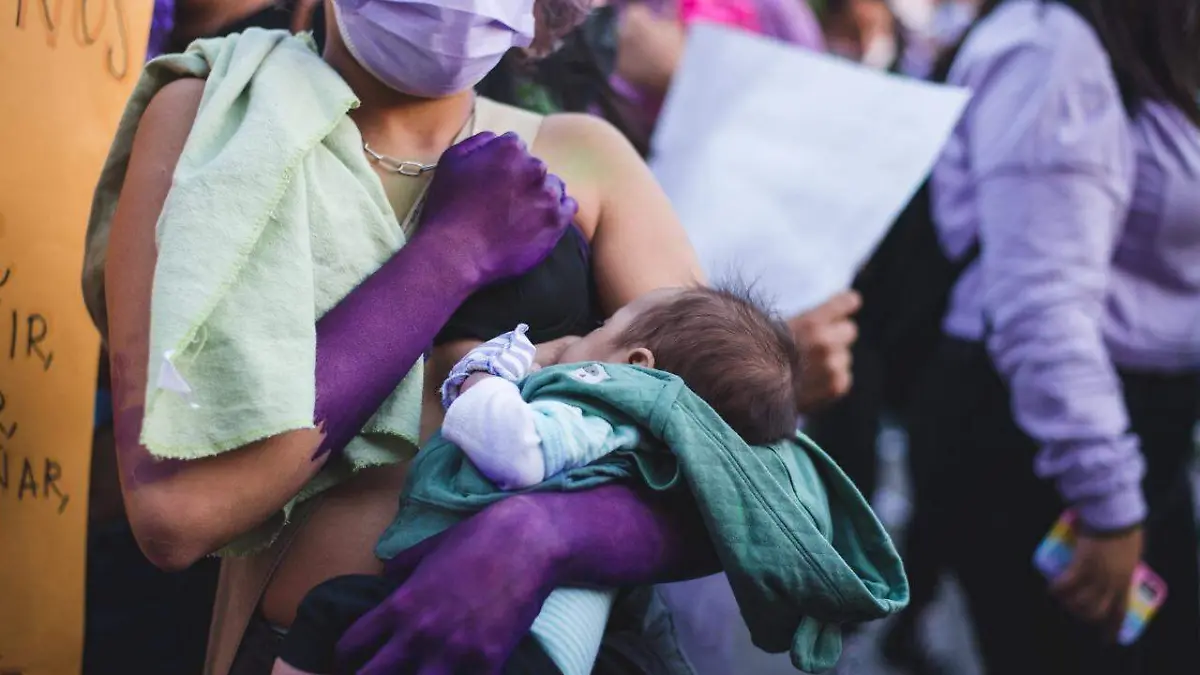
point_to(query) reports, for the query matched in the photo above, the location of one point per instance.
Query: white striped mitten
(509, 356)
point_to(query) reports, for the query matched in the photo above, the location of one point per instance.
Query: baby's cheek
(569, 355)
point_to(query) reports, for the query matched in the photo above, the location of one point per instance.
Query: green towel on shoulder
(274, 216)
(801, 547)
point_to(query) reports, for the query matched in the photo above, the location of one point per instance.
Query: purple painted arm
(611, 536)
(492, 212)
(617, 536)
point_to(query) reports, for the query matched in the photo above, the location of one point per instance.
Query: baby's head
(723, 344)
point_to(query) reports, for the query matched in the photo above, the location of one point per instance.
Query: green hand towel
(274, 216)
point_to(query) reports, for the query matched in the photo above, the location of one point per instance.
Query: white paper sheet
(787, 167)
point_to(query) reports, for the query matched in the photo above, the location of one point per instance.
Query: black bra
(556, 298)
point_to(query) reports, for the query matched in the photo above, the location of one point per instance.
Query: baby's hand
(473, 380)
(510, 356)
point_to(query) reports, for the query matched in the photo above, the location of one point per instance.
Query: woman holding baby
(486, 237)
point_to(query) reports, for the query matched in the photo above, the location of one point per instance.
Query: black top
(556, 298)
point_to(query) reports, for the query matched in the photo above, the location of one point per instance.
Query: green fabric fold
(802, 549)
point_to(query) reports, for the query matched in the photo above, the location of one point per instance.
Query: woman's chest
(556, 298)
(337, 538)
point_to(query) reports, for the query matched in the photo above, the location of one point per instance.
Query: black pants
(139, 618)
(984, 512)
(849, 429)
(329, 610)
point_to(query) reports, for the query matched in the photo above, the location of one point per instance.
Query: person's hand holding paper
(825, 334)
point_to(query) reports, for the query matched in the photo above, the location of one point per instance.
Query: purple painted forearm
(138, 466)
(370, 340)
(619, 536)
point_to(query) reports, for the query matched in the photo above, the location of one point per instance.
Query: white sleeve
(571, 438)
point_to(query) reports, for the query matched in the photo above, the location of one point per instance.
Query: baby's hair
(731, 351)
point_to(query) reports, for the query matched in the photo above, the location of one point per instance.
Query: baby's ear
(641, 357)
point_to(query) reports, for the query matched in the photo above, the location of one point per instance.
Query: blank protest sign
(788, 166)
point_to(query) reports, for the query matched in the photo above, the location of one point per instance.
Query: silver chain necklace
(400, 166)
(407, 167)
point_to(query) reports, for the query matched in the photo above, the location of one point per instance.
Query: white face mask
(880, 53)
(432, 48)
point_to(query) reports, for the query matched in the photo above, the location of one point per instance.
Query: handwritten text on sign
(22, 477)
(59, 120)
(28, 332)
(102, 23)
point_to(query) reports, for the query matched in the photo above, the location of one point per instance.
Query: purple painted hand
(469, 595)
(492, 212)
(468, 598)
(495, 207)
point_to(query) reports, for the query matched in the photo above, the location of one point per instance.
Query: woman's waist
(337, 538)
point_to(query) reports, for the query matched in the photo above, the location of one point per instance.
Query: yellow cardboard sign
(66, 69)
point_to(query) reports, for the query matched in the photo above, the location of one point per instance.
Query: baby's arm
(514, 443)
(517, 444)
(494, 427)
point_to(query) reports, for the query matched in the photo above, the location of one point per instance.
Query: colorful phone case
(1147, 592)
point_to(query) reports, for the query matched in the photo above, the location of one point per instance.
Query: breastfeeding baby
(725, 347)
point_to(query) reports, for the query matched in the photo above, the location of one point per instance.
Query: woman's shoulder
(583, 151)
(168, 118)
(554, 133)
(174, 101)
(581, 130)
(1046, 40)
(190, 70)
(558, 136)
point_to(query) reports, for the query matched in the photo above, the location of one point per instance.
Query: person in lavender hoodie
(1068, 375)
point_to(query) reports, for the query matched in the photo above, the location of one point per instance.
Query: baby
(724, 346)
